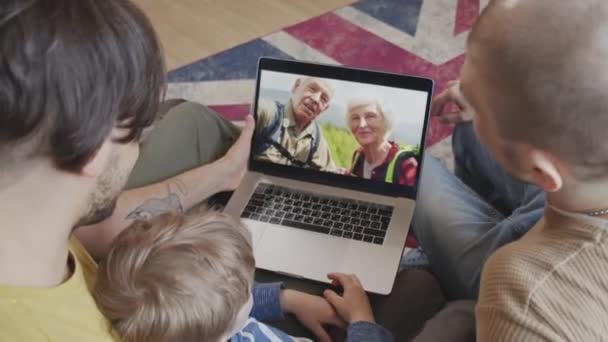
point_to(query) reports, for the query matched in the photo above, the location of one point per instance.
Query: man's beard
(103, 201)
(98, 213)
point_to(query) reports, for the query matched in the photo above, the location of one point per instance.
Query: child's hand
(353, 305)
(313, 312)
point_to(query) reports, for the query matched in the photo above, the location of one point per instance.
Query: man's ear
(98, 161)
(296, 84)
(546, 172)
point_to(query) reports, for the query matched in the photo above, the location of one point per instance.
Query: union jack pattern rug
(417, 37)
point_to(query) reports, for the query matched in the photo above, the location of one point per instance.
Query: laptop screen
(341, 127)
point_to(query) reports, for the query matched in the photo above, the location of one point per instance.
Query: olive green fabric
(189, 135)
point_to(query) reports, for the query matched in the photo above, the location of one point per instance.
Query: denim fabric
(462, 218)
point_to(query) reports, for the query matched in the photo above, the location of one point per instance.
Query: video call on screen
(343, 127)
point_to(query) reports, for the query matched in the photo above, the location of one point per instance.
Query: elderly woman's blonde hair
(176, 278)
(380, 107)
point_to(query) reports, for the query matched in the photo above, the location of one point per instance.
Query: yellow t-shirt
(64, 313)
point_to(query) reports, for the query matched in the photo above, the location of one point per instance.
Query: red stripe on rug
(446, 72)
(466, 14)
(233, 112)
(351, 45)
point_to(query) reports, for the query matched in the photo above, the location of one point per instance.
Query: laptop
(312, 200)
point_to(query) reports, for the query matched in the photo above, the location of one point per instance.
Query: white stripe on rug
(213, 93)
(434, 39)
(377, 27)
(297, 49)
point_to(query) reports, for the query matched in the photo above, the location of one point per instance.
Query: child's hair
(176, 278)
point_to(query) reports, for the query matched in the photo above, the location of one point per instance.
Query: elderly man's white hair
(328, 83)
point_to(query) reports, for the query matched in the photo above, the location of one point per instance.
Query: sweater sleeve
(495, 324)
(267, 302)
(365, 331)
(506, 310)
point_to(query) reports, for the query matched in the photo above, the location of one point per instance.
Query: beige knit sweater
(551, 285)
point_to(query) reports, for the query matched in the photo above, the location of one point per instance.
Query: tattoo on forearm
(178, 187)
(156, 206)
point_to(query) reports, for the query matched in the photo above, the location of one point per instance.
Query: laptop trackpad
(300, 253)
(257, 230)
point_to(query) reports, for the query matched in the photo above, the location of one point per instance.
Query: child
(190, 278)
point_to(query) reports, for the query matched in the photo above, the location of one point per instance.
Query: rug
(417, 37)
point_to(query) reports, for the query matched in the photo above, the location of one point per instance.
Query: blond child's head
(178, 278)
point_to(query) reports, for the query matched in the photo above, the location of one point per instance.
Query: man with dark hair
(77, 90)
(80, 80)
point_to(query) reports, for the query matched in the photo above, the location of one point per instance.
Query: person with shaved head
(529, 202)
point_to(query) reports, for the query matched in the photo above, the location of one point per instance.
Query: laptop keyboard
(340, 217)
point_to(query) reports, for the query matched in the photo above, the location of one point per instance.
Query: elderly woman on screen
(377, 158)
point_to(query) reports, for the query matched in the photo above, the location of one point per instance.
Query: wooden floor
(192, 29)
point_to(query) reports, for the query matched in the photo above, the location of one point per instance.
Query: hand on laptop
(313, 312)
(450, 106)
(235, 161)
(353, 306)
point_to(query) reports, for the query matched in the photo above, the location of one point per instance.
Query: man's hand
(312, 311)
(235, 161)
(458, 109)
(353, 305)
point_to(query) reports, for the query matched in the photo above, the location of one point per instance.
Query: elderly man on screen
(287, 133)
